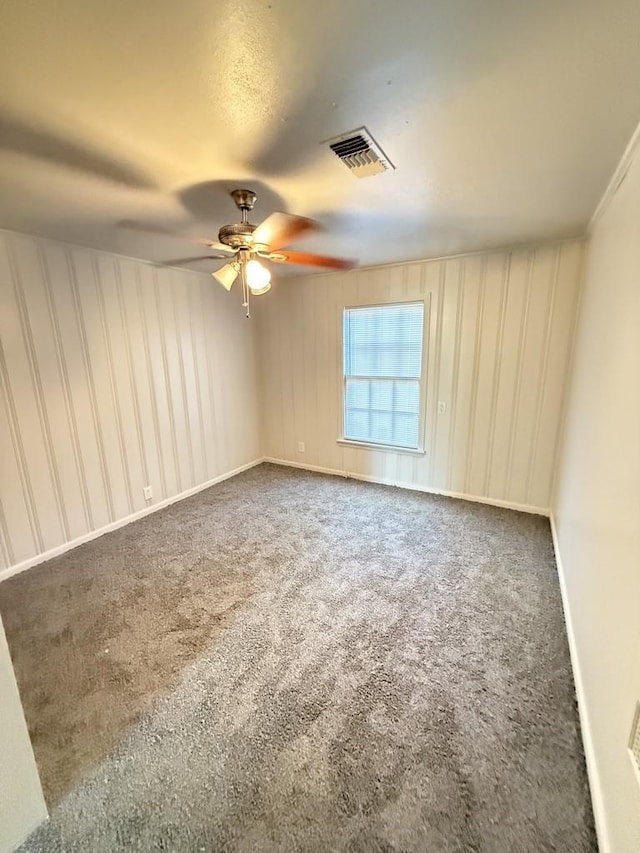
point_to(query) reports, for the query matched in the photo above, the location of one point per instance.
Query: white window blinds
(382, 373)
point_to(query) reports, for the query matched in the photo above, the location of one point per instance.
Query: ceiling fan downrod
(245, 200)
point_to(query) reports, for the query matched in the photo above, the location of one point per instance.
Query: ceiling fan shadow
(355, 221)
(17, 137)
(209, 201)
(289, 151)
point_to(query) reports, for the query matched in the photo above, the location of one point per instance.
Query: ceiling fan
(246, 246)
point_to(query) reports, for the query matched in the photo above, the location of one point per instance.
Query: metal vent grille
(360, 153)
(634, 741)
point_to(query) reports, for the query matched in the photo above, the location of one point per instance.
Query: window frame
(422, 382)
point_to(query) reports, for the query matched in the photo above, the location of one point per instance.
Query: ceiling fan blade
(308, 260)
(227, 274)
(166, 232)
(280, 229)
(176, 262)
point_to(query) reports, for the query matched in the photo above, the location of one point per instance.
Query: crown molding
(617, 178)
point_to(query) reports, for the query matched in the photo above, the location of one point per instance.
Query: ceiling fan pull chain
(245, 287)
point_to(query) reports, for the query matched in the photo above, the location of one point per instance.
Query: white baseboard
(43, 819)
(121, 522)
(534, 510)
(595, 786)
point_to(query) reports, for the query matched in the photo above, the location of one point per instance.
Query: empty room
(320, 426)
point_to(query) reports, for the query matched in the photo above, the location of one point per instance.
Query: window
(383, 373)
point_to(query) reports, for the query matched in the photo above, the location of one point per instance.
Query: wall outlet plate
(301, 447)
(442, 407)
(148, 493)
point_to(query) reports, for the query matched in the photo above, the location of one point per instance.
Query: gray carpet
(334, 666)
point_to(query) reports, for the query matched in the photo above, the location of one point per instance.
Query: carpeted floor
(295, 662)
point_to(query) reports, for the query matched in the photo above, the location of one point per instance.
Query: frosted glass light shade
(258, 278)
(227, 274)
(261, 290)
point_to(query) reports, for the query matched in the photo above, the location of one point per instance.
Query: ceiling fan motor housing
(237, 236)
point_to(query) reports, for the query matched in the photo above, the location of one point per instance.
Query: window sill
(388, 448)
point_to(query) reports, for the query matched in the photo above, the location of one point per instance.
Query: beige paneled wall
(115, 375)
(499, 327)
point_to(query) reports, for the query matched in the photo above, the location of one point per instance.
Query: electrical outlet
(148, 493)
(301, 447)
(442, 407)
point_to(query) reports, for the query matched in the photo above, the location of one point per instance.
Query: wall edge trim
(619, 174)
(122, 522)
(86, 248)
(500, 249)
(595, 786)
(533, 510)
(45, 818)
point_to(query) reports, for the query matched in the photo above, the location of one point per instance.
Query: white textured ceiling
(504, 118)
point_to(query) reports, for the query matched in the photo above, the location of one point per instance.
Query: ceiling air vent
(360, 153)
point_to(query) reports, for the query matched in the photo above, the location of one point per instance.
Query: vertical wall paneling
(13, 373)
(533, 358)
(198, 389)
(558, 352)
(38, 350)
(162, 296)
(497, 338)
(125, 321)
(460, 435)
(476, 283)
(185, 378)
(215, 421)
(435, 379)
(145, 383)
(445, 378)
(456, 367)
(496, 373)
(82, 328)
(114, 375)
(507, 388)
(6, 551)
(105, 272)
(542, 384)
(80, 516)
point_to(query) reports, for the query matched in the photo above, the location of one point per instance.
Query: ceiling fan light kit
(227, 274)
(258, 277)
(248, 246)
